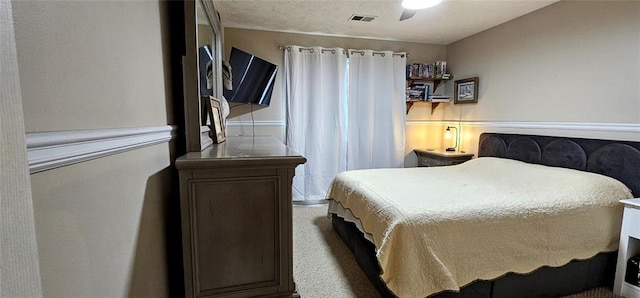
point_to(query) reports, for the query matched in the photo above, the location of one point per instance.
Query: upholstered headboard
(617, 159)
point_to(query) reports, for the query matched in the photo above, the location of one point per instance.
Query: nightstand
(629, 247)
(439, 157)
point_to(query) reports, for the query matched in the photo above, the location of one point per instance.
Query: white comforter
(441, 228)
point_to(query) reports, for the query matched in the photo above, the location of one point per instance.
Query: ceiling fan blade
(407, 14)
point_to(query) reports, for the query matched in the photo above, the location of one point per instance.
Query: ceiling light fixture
(419, 4)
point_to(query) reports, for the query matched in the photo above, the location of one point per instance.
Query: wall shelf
(434, 105)
(436, 82)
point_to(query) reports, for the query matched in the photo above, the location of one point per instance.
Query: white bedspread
(441, 228)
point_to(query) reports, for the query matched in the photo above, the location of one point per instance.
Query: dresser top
(635, 203)
(236, 150)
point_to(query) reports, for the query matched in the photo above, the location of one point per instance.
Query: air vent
(362, 18)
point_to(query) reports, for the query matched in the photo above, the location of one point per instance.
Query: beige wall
(573, 61)
(88, 65)
(100, 225)
(264, 44)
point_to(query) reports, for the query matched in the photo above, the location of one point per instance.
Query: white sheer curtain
(376, 101)
(316, 82)
(343, 113)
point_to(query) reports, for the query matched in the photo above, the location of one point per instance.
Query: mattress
(438, 229)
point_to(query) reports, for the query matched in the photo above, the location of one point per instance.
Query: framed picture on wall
(217, 132)
(466, 91)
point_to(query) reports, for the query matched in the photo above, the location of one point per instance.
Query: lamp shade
(419, 4)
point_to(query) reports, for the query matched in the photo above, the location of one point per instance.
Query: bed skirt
(575, 277)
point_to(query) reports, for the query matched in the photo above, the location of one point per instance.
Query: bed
(532, 216)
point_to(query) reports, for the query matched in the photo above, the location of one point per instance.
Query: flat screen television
(253, 79)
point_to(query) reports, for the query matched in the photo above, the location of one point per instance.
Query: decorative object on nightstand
(447, 135)
(629, 252)
(439, 158)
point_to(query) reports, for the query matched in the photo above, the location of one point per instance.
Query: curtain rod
(282, 48)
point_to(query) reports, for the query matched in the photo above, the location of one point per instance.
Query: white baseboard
(48, 150)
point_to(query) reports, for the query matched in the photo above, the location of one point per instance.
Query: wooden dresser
(235, 200)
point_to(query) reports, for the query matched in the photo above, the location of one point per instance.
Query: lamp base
(450, 149)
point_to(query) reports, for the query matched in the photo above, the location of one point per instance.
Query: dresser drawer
(424, 161)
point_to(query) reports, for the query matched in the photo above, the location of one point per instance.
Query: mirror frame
(197, 135)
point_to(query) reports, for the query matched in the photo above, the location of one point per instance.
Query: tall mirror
(202, 69)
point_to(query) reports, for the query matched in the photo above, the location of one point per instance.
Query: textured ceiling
(448, 22)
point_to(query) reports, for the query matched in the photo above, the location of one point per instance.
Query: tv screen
(253, 79)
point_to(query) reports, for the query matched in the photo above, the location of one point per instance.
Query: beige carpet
(325, 267)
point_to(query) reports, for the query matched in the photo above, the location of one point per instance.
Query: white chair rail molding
(48, 150)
